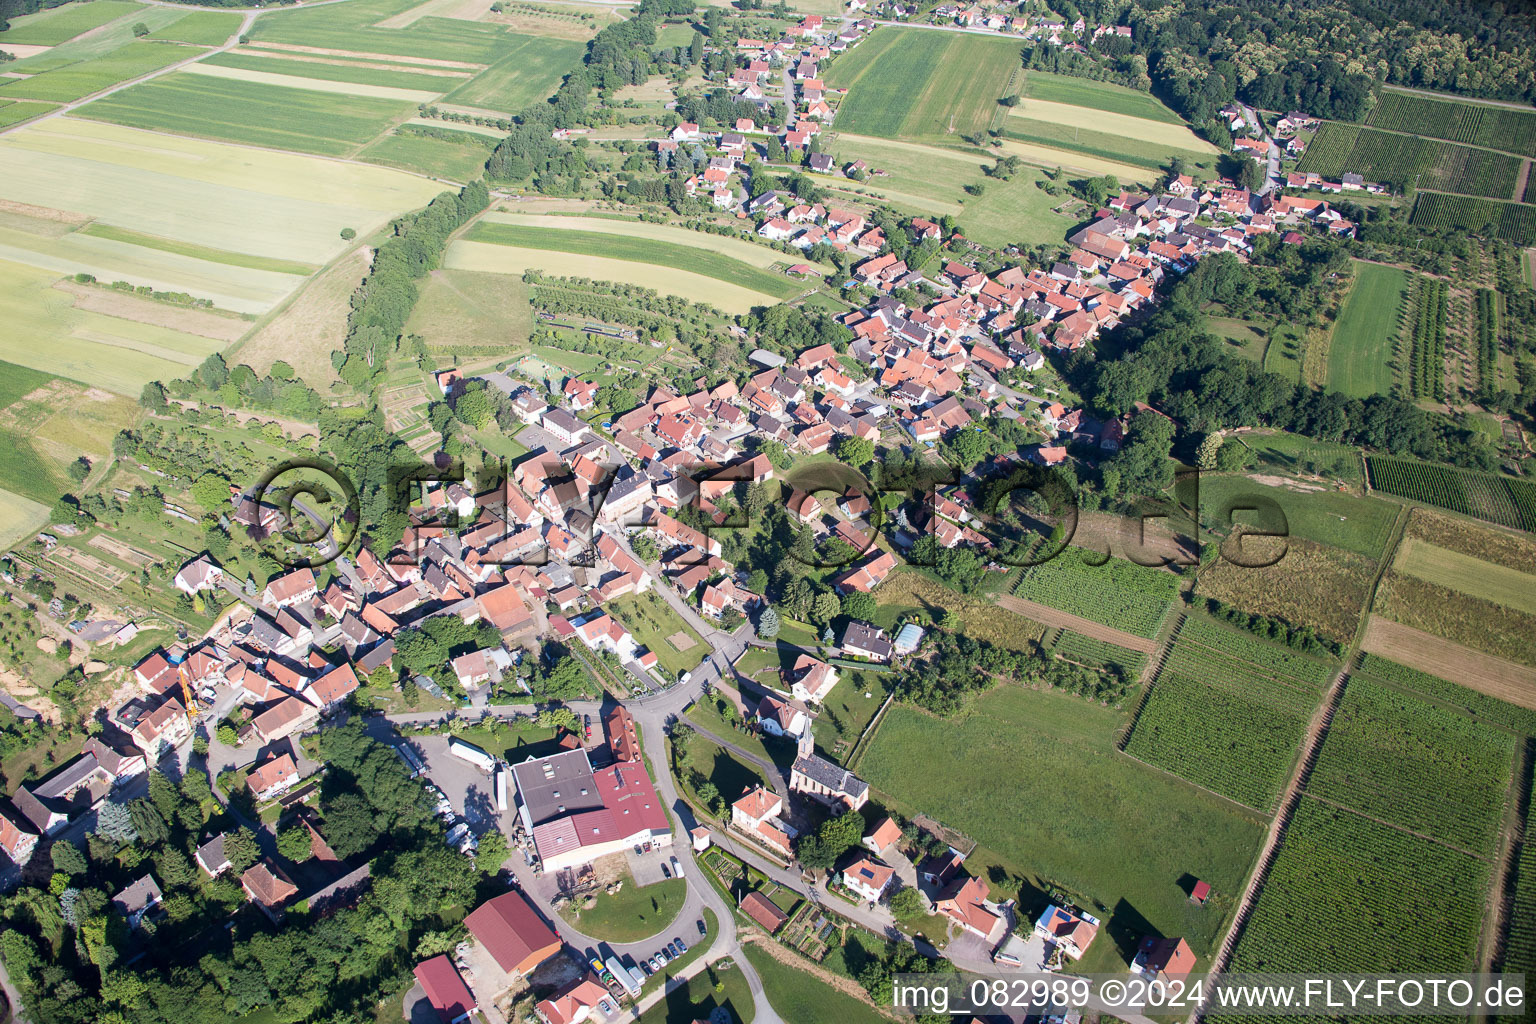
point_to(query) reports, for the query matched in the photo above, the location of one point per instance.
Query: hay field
(343, 88)
(1136, 129)
(338, 69)
(359, 26)
(923, 84)
(458, 307)
(284, 116)
(505, 259)
(1084, 92)
(1360, 354)
(280, 205)
(18, 518)
(735, 248)
(1468, 575)
(46, 332)
(58, 24)
(456, 161)
(1050, 156)
(312, 324)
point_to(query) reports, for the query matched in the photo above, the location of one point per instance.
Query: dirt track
(1059, 619)
(1462, 665)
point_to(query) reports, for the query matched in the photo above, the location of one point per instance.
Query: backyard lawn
(802, 997)
(677, 648)
(720, 985)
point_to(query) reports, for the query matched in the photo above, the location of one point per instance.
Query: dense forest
(1323, 56)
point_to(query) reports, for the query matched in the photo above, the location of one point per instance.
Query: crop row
(1479, 705)
(1353, 895)
(1430, 769)
(1085, 650)
(1427, 367)
(1118, 593)
(1217, 738)
(1404, 161)
(1520, 943)
(1206, 666)
(1246, 647)
(1488, 496)
(1513, 222)
(1487, 339)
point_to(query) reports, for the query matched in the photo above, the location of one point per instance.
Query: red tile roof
(445, 990)
(517, 938)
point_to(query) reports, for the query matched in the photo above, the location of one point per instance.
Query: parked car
(681, 949)
(648, 968)
(702, 929)
(656, 963)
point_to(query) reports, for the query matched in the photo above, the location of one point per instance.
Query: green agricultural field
(530, 72)
(746, 251)
(1360, 354)
(45, 332)
(1350, 894)
(1102, 825)
(923, 84)
(281, 205)
(354, 27)
(693, 259)
(1491, 497)
(273, 64)
(201, 252)
(456, 161)
(16, 111)
(1082, 92)
(57, 24)
(1421, 767)
(75, 81)
(257, 113)
(201, 28)
(1480, 707)
(1513, 222)
(1132, 140)
(1342, 520)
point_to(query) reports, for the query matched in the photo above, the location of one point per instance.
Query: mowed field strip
(1487, 580)
(691, 258)
(44, 330)
(735, 248)
(1135, 129)
(492, 258)
(345, 88)
(1461, 665)
(1050, 156)
(279, 205)
(1360, 354)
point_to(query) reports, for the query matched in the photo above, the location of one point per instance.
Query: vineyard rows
(1085, 650)
(1513, 222)
(1520, 946)
(1426, 768)
(1487, 340)
(1479, 705)
(1405, 160)
(1454, 121)
(1118, 593)
(1353, 895)
(1488, 496)
(1217, 739)
(1268, 658)
(1427, 366)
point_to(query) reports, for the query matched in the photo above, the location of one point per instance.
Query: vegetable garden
(1426, 768)
(1488, 496)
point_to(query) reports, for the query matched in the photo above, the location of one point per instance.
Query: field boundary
(1057, 619)
(1461, 665)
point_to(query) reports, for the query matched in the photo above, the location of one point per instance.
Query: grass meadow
(260, 114)
(1312, 585)
(1358, 525)
(460, 307)
(1081, 92)
(19, 516)
(1117, 833)
(1128, 148)
(59, 24)
(738, 249)
(911, 83)
(804, 998)
(456, 161)
(354, 27)
(201, 252)
(74, 81)
(1360, 354)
